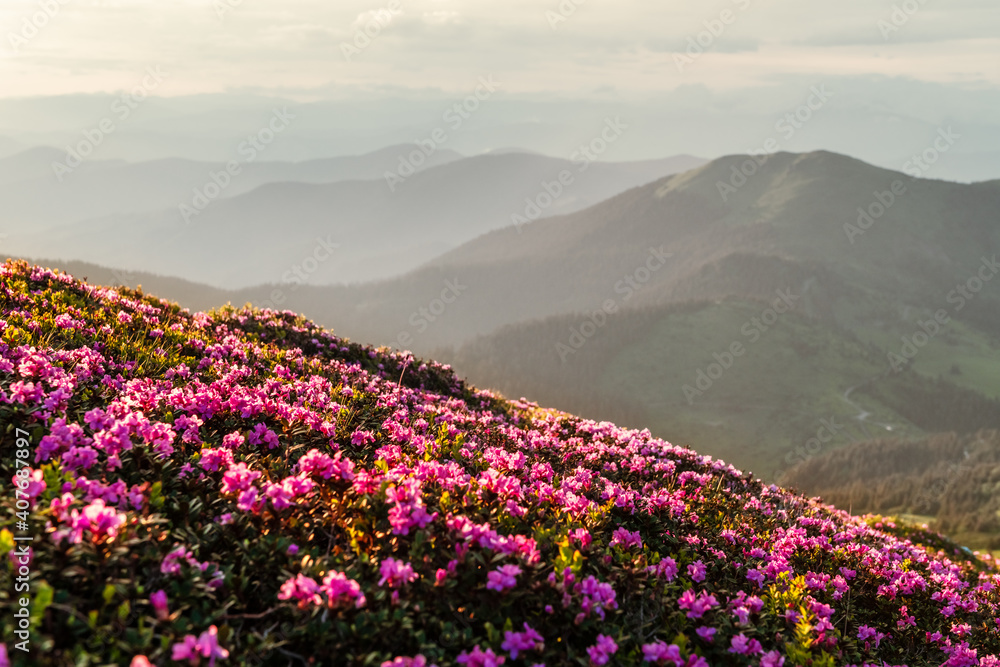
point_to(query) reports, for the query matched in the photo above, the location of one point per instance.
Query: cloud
(277, 44)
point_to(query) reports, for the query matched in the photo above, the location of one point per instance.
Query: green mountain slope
(796, 383)
(948, 479)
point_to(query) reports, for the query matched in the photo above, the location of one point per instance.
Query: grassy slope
(415, 439)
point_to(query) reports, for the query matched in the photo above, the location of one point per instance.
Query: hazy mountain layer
(297, 232)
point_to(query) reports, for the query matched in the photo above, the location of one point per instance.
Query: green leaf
(156, 495)
(41, 602)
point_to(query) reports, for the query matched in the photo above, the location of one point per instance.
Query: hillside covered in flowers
(244, 488)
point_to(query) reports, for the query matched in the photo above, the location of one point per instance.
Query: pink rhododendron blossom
(479, 658)
(661, 652)
(341, 590)
(772, 659)
(696, 571)
(503, 577)
(742, 645)
(159, 602)
(516, 643)
(395, 573)
(403, 661)
(626, 539)
(696, 605)
(601, 652)
(301, 588)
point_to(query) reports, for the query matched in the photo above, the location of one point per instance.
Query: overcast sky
(295, 48)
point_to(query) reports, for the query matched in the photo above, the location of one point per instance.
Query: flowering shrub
(242, 487)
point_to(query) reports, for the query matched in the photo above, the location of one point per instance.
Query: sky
(310, 49)
(702, 78)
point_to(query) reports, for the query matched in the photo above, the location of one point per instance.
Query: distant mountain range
(36, 196)
(293, 222)
(747, 309)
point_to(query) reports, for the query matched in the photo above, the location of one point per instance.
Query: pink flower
(102, 521)
(402, 661)
(665, 569)
(582, 535)
(480, 658)
(339, 589)
(661, 651)
(772, 659)
(137, 661)
(172, 561)
(247, 500)
(316, 463)
(361, 437)
(238, 478)
(159, 602)
(262, 434)
(301, 588)
(233, 441)
(208, 645)
(516, 642)
(396, 573)
(626, 539)
(279, 496)
(187, 649)
(696, 606)
(503, 578)
(866, 633)
(32, 486)
(213, 459)
(602, 651)
(696, 571)
(706, 633)
(741, 645)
